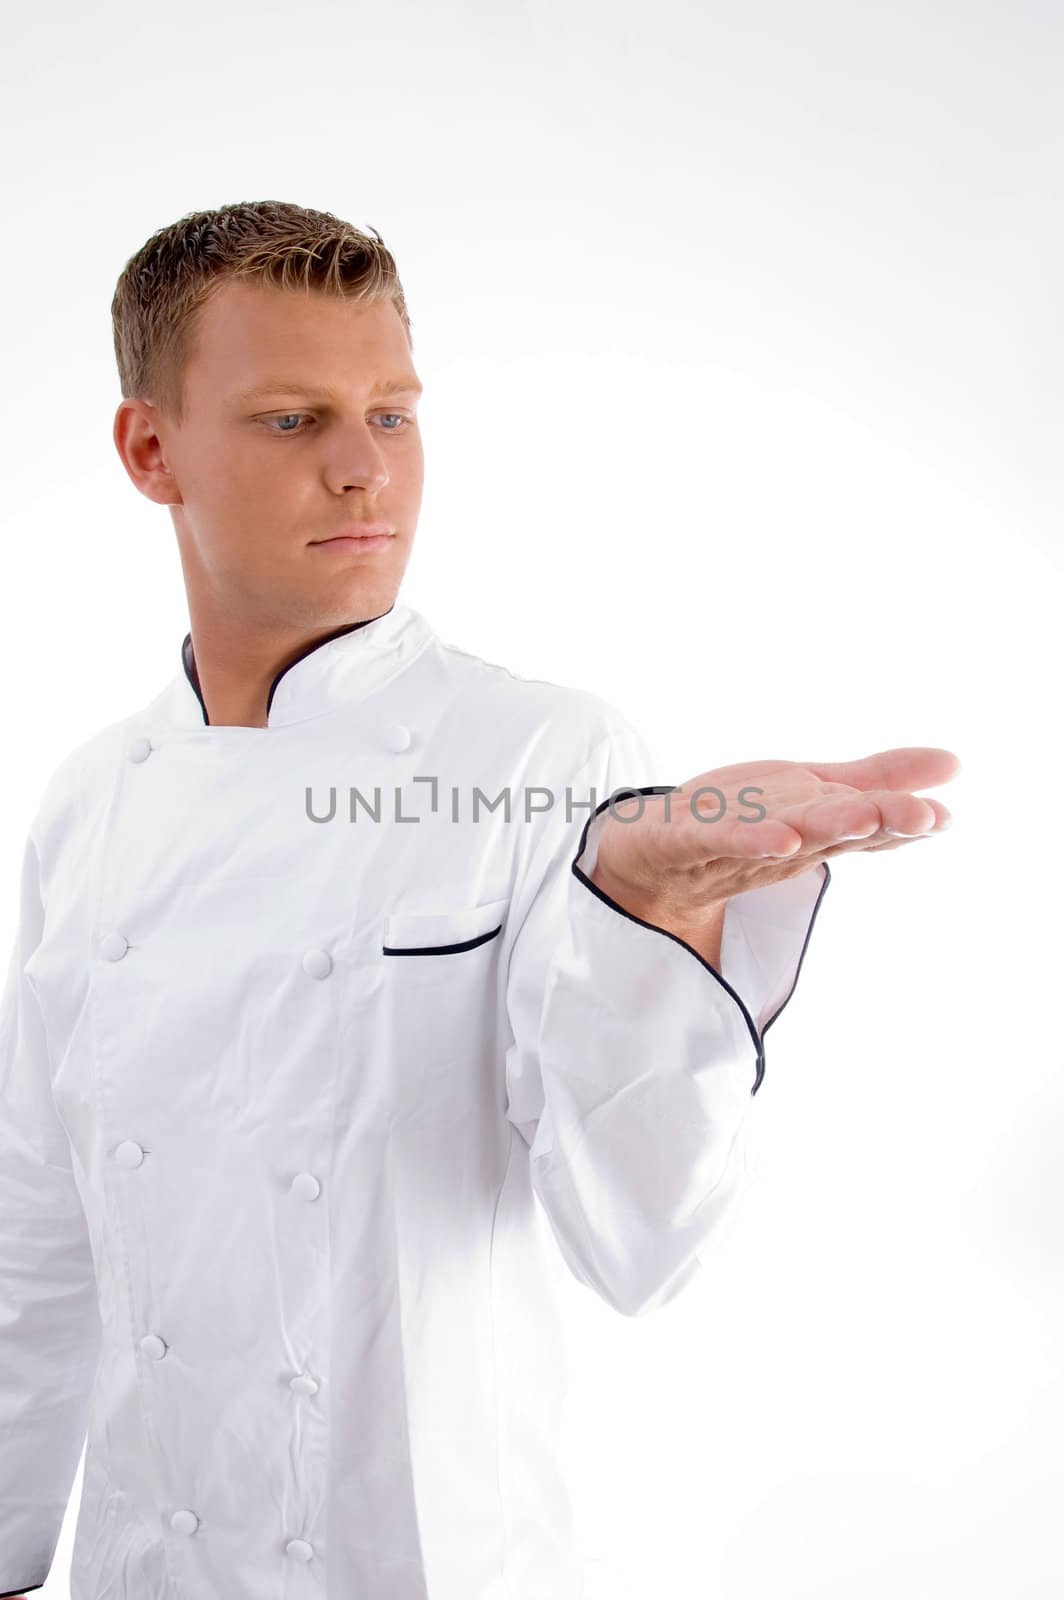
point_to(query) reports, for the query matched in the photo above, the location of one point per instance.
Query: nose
(356, 460)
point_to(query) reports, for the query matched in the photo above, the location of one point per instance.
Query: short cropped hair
(162, 287)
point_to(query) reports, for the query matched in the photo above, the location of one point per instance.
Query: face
(300, 421)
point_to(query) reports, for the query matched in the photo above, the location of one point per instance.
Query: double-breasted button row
(316, 963)
(152, 1345)
(305, 1186)
(155, 1348)
(185, 1521)
(130, 1154)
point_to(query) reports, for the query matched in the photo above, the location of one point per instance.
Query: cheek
(226, 472)
(244, 520)
(253, 491)
(411, 477)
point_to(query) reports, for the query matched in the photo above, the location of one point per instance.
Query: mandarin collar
(337, 670)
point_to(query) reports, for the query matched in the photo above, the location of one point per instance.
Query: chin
(362, 595)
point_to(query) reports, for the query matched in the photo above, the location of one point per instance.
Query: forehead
(248, 333)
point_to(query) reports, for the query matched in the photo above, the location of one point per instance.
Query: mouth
(369, 536)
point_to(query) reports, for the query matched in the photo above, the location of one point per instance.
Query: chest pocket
(426, 935)
(442, 973)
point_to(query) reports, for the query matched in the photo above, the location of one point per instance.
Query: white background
(740, 331)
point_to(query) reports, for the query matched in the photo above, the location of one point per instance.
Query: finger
(858, 817)
(884, 839)
(908, 768)
(941, 819)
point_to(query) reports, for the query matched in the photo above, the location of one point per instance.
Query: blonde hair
(264, 241)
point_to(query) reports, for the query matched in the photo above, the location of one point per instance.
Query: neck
(236, 668)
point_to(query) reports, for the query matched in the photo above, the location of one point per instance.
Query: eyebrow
(389, 386)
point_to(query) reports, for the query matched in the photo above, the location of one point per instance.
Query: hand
(680, 865)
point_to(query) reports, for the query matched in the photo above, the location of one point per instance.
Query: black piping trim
(28, 1589)
(433, 950)
(189, 664)
(797, 972)
(758, 1039)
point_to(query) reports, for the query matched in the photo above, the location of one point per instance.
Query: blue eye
(297, 416)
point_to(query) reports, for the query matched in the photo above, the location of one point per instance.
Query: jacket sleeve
(49, 1316)
(633, 1060)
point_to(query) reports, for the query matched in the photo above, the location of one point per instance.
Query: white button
(304, 1384)
(140, 750)
(113, 946)
(397, 736)
(306, 1186)
(184, 1522)
(317, 963)
(300, 1549)
(153, 1346)
(129, 1154)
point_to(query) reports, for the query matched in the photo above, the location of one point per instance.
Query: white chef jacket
(293, 1104)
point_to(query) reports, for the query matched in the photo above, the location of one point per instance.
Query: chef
(355, 976)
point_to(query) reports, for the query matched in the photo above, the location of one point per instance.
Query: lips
(357, 530)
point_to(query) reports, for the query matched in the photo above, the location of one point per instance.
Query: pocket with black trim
(441, 933)
(442, 1003)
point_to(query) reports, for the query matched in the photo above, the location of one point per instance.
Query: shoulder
(532, 716)
(71, 787)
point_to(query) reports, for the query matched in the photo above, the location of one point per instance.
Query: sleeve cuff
(765, 935)
(766, 932)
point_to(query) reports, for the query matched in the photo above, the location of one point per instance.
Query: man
(333, 960)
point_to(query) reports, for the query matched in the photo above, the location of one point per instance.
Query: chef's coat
(308, 1066)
